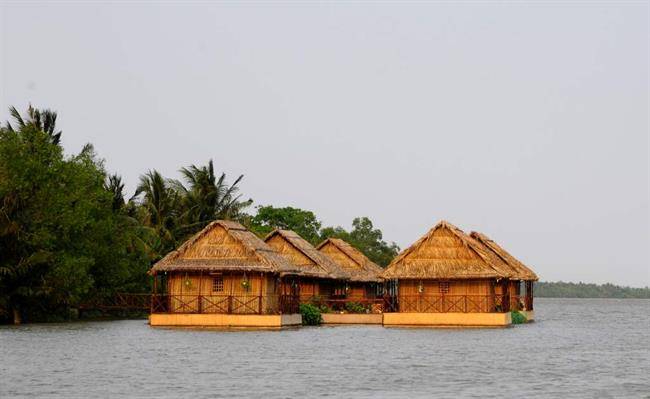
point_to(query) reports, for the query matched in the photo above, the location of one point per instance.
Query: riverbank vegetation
(70, 233)
(584, 290)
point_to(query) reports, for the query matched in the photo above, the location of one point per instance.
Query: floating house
(521, 278)
(448, 277)
(365, 283)
(321, 278)
(225, 276)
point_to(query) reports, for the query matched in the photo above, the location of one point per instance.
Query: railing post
(465, 305)
(229, 304)
(259, 306)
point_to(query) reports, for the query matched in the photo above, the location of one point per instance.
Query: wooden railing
(118, 301)
(454, 303)
(225, 304)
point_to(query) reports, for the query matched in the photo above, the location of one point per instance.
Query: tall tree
(159, 209)
(303, 222)
(59, 238)
(44, 120)
(115, 187)
(206, 198)
(365, 238)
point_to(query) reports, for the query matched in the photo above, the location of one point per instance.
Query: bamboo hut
(224, 276)
(364, 274)
(450, 277)
(520, 275)
(321, 278)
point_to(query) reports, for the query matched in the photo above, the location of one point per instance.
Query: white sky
(526, 121)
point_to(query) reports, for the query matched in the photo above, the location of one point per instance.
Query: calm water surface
(577, 348)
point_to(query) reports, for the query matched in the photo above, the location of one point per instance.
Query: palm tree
(159, 206)
(207, 198)
(43, 120)
(115, 186)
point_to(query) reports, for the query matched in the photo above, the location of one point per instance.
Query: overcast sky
(528, 122)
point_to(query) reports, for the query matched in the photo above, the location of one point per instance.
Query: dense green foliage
(311, 314)
(355, 307)
(303, 223)
(365, 238)
(60, 235)
(363, 235)
(518, 317)
(584, 290)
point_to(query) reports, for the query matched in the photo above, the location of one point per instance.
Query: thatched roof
(351, 259)
(520, 271)
(225, 245)
(304, 256)
(446, 252)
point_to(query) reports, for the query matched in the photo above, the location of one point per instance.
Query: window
(444, 287)
(217, 284)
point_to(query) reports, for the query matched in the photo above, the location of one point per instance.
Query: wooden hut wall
(184, 286)
(453, 287)
(478, 293)
(358, 290)
(514, 292)
(309, 288)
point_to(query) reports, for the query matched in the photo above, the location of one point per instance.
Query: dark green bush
(325, 309)
(311, 315)
(518, 317)
(355, 307)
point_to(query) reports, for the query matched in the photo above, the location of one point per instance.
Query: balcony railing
(225, 304)
(422, 303)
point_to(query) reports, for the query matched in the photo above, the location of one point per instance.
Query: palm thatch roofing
(520, 271)
(225, 245)
(302, 254)
(446, 252)
(352, 260)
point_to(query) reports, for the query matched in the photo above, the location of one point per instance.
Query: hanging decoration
(245, 283)
(187, 282)
(420, 287)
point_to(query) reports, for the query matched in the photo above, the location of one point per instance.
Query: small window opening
(217, 284)
(444, 287)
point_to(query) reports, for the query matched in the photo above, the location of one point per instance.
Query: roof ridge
(464, 238)
(316, 256)
(260, 251)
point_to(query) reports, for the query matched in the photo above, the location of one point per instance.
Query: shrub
(518, 317)
(311, 315)
(324, 309)
(355, 307)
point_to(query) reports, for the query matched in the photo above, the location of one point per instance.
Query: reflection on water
(577, 348)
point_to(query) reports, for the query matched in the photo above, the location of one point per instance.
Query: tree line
(68, 231)
(561, 289)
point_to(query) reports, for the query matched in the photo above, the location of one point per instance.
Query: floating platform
(447, 319)
(530, 315)
(223, 320)
(352, 318)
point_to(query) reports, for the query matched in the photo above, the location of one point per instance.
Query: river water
(576, 349)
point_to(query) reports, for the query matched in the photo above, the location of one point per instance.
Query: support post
(155, 290)
(200, 300)
(259, 309)
(505, 285)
